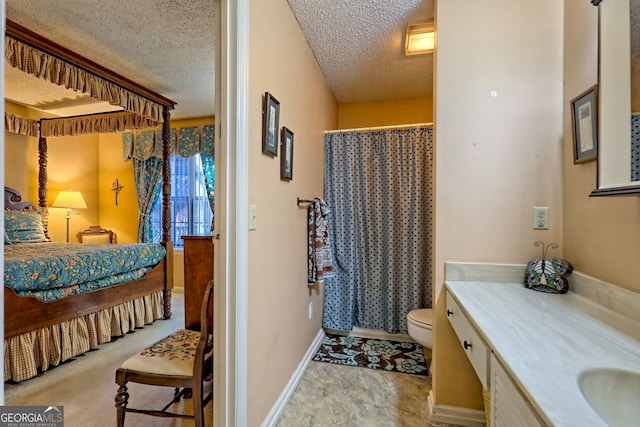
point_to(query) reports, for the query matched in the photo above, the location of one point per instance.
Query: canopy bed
(57, 322)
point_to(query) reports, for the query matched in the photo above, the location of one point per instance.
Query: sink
(613, 394)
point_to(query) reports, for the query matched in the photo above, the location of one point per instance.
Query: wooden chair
(96, 234)
(189, 371)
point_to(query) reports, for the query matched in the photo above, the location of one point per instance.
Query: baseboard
(375, 334)
(444, 414)
(281, 403)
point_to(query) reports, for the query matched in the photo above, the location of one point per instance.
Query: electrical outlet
(310, 310)
(540, 218)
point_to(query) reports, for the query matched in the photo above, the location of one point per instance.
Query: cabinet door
(509, 407)
(474, 346)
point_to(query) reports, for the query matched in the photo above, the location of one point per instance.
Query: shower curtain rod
(415, 125)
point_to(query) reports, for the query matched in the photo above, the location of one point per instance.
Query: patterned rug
(405, 357)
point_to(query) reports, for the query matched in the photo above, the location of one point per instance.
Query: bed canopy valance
(36, 55)
(21, 125)
(118, 121)
(33, 54)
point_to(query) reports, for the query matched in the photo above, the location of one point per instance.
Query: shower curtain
(635, 148)
(379, 187)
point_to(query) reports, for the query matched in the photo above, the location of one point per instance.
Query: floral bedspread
(52, 270)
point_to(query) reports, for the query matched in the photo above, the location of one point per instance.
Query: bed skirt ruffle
(27, 354)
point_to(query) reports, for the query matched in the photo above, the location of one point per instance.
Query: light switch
(253, 217)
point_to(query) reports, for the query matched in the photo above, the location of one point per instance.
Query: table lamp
(69, 199)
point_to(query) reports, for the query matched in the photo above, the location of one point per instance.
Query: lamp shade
(69, 199)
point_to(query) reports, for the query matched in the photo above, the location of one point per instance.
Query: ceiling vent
(420, 37)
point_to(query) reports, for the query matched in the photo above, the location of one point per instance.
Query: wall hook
(116, 187)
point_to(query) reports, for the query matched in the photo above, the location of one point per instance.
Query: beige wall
(71, 164)
(498, 127)
(600, 234)
(279, 330)
(385, 113)
(121, 219)
(21, 156)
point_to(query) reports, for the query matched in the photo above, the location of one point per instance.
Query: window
(190, 211)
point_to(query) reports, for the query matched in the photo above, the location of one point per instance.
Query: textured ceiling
(360, 47)
(167, 46)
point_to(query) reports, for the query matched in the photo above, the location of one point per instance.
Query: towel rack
(299, 200)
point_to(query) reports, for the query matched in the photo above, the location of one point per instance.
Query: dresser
(198, 271)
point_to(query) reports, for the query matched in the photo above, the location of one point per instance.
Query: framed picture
(270, 125)
(584, 115)
(286, 161)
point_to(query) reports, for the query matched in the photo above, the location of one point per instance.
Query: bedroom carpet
(86, 386)
(395, 356)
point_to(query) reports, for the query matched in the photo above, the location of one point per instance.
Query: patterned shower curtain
(379, 187)
(635, 148)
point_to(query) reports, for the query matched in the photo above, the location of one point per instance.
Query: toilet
(419, 325)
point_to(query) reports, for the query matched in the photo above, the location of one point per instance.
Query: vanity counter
(545, 341)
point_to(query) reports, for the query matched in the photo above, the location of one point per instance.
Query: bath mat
(396, 356)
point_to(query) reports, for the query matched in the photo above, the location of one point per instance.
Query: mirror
(618, 169)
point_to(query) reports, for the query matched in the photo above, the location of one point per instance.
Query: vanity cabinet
(475, 348)
(509, 407)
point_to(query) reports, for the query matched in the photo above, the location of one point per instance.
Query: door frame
(232, 198)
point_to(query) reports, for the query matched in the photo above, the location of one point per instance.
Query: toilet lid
(423, 315)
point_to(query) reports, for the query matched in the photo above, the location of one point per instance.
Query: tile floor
(336, 395)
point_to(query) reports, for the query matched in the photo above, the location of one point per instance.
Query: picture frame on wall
(584, 117)
(286, 160)
(270, 125)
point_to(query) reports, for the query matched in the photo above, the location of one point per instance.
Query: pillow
(7, 240)
(24, 226)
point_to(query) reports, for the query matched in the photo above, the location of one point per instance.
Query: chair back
(96, 234)
(205, 345)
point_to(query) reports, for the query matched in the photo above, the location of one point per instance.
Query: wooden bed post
(42, 181)
(166, 208)
(166, 175)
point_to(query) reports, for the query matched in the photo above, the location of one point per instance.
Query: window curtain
(209, 171)
(148, 177)
(378, 185)
(186, 142)
(147, 170)
(207, 158)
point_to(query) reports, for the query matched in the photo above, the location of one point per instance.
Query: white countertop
(545, 341)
